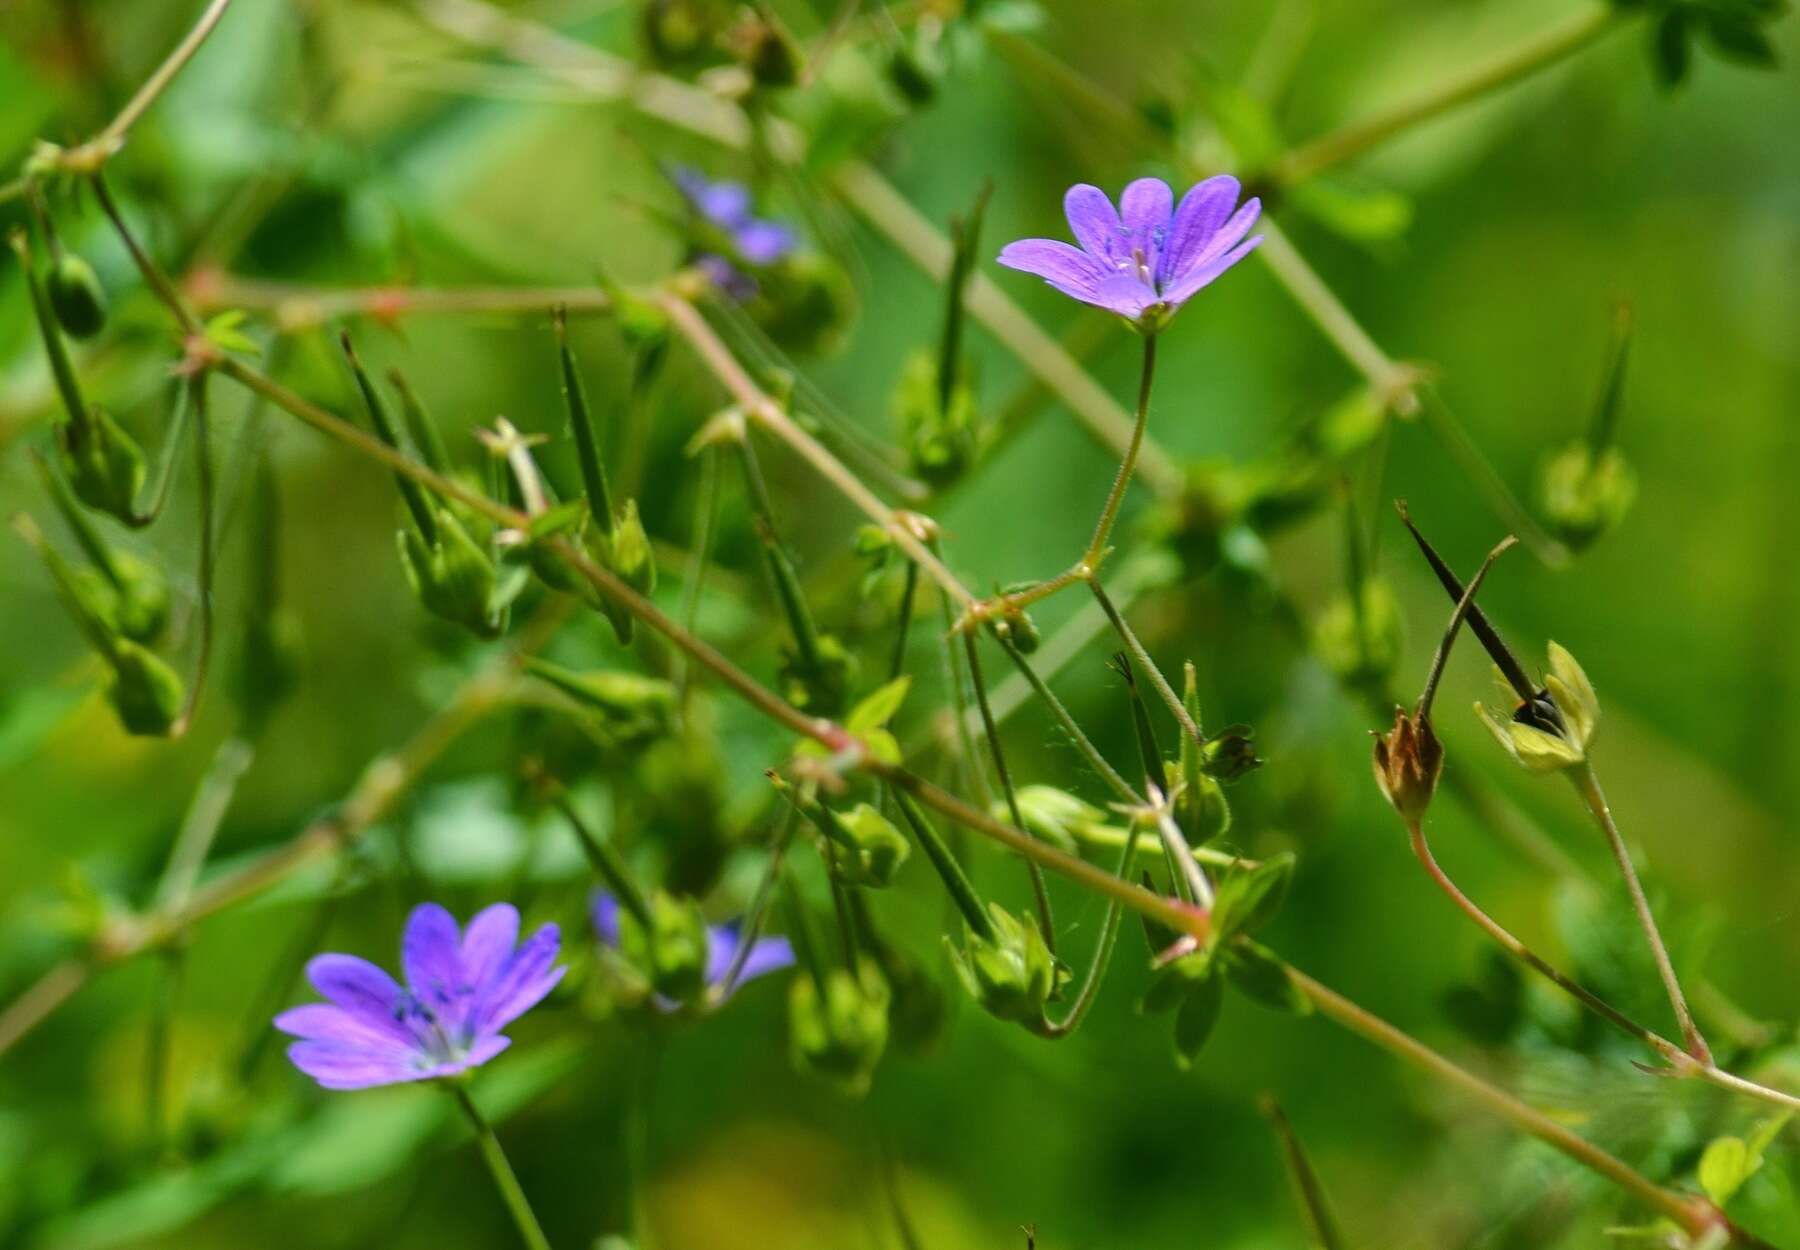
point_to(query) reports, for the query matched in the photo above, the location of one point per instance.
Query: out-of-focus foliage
(361, 143)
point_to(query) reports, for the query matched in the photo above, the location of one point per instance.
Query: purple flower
(461, 990)
(723, 942)
(1148, 258)
(726, 206)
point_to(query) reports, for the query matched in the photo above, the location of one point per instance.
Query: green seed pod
(1056, 816)
(940, 444)
(454, 578)
(865, 847)
(1202, 810)
(672, 951)
(627, 554)
(1013, 974)
(1585, 494)
(630, 709)
(144, 690)
(1016, 626)
(103, 464)
(840, 1035)
(143, 597)
(1361, 646)
(77, 296)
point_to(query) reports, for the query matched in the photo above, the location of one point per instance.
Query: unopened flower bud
(865, 847)
(144, 690)
(76, 296)
(1012, 974)
(1061, 819)
(454, 578)
(805, 302)
(671, 950)
(1361, 640)
(1409, 759)
(627, 554)
(1585, 493)
(940, 439)
(1014, 624)
(819, 683)
(1202, 810)
(631, 709)
(103, 464)
(839, 1034)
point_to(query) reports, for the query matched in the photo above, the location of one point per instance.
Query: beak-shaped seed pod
(1409, 759)
(1009, 971)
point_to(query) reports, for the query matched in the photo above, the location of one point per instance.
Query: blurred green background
(330, 142)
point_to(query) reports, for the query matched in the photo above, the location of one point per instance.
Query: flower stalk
(505, 1180)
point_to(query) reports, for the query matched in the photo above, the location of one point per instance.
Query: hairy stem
(1587, 784)
(505, 1180)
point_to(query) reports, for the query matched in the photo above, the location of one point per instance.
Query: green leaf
(1198, 1015)
(1730, 1161)
(878, 708)
(1259, 973)
(1670, 49)
(1248, 900)
(556, 520)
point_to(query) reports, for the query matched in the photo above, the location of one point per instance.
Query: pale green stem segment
(1040, 893)
(530, 1232)
(1538, 51)
(1109, 513)
(1588, 786)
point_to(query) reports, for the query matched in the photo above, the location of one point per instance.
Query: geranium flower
(461, 990)
(723, 942)
(757, 241)
(1148, 258)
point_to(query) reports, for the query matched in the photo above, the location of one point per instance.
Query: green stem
(1109, 512)
(1324, 1226)
(114, 134)
(962, 893)
(1525, 955)
(1077, 735)
(1587, 784)
(705, 515)
(605, 861)
(1540, 50)
(908, 592)
(1039, 891)
(1694, 1215)
(504, 1179)
(1103, 950)
(1142, 655)
(759, 908)
(1487, 481)
(203, 473)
